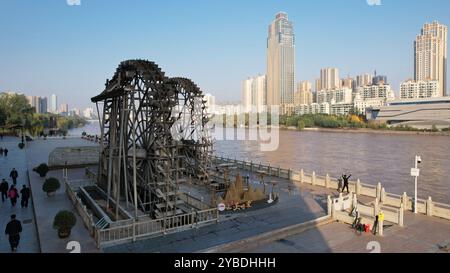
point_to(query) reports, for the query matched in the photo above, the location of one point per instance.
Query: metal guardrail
(148, 228)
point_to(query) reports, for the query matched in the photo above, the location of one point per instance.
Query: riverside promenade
(16, 158)
(283, 226)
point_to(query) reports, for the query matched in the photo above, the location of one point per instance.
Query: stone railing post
(429, 207)
(378, 191)
(354, 201)
(290, 174)
(405, 201)
(401, 214)
(313, 178)
(327, 181)
(376, 207)
(383, 195)
(358, 187)
(380, 228)
(251, 166)
(302, 176)
(341, 200)
(330, 206)
(279, 171)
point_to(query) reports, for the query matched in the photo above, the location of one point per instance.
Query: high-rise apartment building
(254, 93)
(329, 79)
(363, 80)
(210, 102)
(420, 89)
(347, 82)
(304, 93)
(341, 95)
(280, 61)
(43, 105)
(53, 104)
(430, 55)
(64, 108)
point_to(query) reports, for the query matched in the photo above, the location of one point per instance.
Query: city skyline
(52, 46)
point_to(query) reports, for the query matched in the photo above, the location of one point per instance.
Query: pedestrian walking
(13, 194)
(14, 174)
(25, 194)
(4, 186)
(1, 151)
(1, 136)
(6, 152)
(13, 230)
(345, 178)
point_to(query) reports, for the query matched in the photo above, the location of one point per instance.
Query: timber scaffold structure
(153, 139)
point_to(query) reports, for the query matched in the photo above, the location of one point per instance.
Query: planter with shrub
(64, 222)
(51, 185)
(42, 169)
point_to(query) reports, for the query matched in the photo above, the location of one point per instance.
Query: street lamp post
(415, 172)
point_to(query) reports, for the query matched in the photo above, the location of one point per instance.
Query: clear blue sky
(50, 47)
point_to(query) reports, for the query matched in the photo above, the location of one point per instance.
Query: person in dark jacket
(13, 230)
(14, 174)
(13, 194)
(346, 178)
(6, 152)
(4, 186)
(25, 193)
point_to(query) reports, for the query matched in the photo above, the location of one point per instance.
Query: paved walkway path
(47, 207)
(29, 242)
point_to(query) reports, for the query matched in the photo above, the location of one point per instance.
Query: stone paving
(47, 207)
(17, 159)
(421, 234)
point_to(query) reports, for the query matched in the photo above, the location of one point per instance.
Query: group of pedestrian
(343, 183)
(4, 151)
(14, 226)
(12, 193)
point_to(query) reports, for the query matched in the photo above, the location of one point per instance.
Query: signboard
(221, 207)
(415, 172)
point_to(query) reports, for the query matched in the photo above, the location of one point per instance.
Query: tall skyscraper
(329, 79)
(430, 55)
(280, 61)
(54, 104)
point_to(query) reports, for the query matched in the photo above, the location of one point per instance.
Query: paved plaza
(47, 207)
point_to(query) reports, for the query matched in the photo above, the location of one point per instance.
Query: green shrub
(51, 185)
(42, 169)
(64, 220)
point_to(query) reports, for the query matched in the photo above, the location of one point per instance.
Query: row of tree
(17, 114)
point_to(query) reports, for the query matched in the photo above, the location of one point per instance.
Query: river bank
(370, 131)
